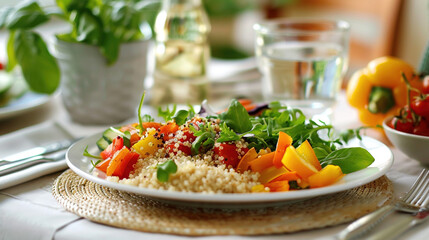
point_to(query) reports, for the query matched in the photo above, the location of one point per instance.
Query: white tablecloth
(28, 210)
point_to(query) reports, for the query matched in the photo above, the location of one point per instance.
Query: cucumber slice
(102, 144)
(109, 135)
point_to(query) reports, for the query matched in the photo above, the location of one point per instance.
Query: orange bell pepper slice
(116, 160)
(120, 169)
(288, 176)
(243, 164)
(263, 162)
(283, 142)
(268, 174)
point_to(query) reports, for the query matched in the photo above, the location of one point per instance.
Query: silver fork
(28, 162)
(415, 199)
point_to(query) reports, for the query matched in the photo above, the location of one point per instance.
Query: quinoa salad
(246, 148)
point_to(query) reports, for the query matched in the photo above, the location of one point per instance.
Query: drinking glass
(303, 62)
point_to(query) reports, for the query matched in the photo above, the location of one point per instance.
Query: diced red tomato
(185, 149)
(167, 129)
(229, 153)
(130, 166)
(116, 145)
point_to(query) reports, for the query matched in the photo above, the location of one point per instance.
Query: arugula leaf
(147, 118)
(349, 159)
(226, 134)
(164, 170)
(205, 138)
(236, 117)
(180, 117)
(32, 54)
(167, 114)
(87, 154)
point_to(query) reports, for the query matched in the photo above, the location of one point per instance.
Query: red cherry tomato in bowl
(420, 106)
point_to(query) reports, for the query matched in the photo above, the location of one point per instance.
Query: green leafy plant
(101, 23)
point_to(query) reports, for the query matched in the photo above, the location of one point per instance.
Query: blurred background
(383, 27)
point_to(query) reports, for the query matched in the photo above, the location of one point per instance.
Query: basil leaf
(110, 48)
(33, 55)
(180, 117)
(236, 117)
(164, 170)
(88, 28)
(26, 15)
(4, 12)
(349, 159)
(320, 152)
(70, 5)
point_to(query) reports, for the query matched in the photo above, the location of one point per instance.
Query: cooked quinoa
(203, 173)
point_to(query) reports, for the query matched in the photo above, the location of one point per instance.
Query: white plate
(383, 161)
(23, 104)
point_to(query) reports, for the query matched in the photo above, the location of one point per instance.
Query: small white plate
(27, 102)
(383, 161)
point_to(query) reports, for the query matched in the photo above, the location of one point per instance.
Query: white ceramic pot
(94, 92)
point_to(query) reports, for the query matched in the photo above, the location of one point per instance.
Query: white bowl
(412, 145)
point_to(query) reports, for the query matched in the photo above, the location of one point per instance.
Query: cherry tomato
(115, 146)
(1, 66)
(422, 128)
(425, 89)
(420, 106)
(402, 125)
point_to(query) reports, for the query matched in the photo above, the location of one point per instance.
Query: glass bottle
(181, 53)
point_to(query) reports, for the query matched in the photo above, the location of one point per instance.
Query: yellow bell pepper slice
(327, 176)
(271, 173)
(150, 144)
(294, 162)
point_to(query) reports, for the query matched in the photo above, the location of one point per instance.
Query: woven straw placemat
(132, 211)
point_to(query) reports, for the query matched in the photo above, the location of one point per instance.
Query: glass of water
(303, 62)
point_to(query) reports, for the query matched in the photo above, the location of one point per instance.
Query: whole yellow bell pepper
(378, 90)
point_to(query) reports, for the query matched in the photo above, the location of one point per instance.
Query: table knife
(51, 148)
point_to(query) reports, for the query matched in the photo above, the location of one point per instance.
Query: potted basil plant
(101, 61)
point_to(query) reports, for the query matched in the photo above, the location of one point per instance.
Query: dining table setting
(125, 132)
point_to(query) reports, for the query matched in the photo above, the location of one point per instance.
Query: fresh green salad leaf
(32, 54)
(236, 117)
(226, 134)
(167, 114)
(348, 159)
(180, 117)
(205, 138)
(25, 15)
(164, 170)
